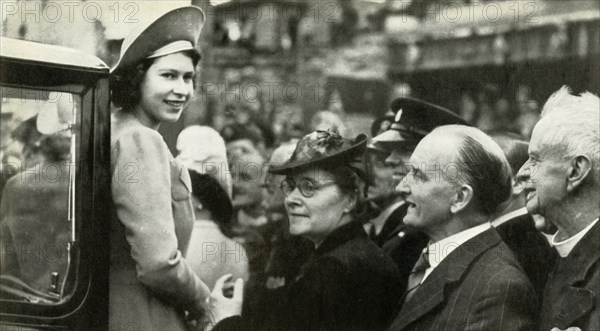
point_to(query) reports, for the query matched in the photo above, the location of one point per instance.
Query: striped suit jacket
(479, 286)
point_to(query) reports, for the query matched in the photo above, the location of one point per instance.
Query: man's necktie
(416, 275)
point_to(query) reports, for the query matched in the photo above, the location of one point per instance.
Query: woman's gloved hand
(222, 303)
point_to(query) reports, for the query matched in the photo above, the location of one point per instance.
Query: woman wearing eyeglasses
(348, 283)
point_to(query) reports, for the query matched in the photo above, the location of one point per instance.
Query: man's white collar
(508, 216)
(438, 251)
(566, 246)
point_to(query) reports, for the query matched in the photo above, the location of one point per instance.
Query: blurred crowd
(260, 221)
(486, 106)
(491, 109)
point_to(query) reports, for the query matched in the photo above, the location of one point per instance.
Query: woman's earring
(199, 206)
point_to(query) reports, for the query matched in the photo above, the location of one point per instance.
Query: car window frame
(88, 304)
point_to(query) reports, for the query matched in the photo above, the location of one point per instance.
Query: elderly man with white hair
(562, 179)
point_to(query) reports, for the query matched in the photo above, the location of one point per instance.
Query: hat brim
(376, 125)
(184, 23)
(391, 137)
(428, 112)
(211, 192)
(343, 156)
(418, 114)
(376, 148)
(223, 212)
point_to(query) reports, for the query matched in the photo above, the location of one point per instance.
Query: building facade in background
(280, 62)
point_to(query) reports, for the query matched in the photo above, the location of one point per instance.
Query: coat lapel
(571, 272)
(431, 292)
(337, 238)
(575, 303)
(429, 295)
(393, 225)
(584, 256)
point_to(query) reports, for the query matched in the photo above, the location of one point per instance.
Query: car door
(54, 187)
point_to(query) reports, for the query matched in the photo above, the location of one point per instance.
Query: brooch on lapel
(274, 283)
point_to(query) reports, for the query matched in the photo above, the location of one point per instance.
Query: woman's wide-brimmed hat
(202, 150)
(175, 31)
(326, 149)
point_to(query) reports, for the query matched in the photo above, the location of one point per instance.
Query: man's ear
(578, 171)
(352, 199)
(461, 198)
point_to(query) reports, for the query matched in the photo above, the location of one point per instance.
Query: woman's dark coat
(347, 284)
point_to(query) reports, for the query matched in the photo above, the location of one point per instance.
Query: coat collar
(394, 225)
(568, 279)
(431, 293)
(386, 221)
(340, 236)
(335, 239)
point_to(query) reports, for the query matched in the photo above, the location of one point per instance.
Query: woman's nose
(182, 87)
(294, 199)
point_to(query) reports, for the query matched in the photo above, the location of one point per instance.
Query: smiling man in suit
(397, 136)
(466, 278)
(562, 179)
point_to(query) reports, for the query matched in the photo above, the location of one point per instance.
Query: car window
(37, 173)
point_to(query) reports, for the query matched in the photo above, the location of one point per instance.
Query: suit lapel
(583, 256)
(429, 295)
(431, 292)
(571, 273)
(393, 225)
(574, 303)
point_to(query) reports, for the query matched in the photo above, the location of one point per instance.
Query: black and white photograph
(225, 165)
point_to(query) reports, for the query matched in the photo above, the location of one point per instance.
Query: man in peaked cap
(413, 119)
(381, 188)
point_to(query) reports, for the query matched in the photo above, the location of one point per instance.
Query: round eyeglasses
(306, 187)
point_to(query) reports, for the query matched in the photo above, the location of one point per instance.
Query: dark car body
(30, 70)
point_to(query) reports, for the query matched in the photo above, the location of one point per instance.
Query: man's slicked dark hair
(482, 165)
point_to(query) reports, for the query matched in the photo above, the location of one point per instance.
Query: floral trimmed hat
(327, 149)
